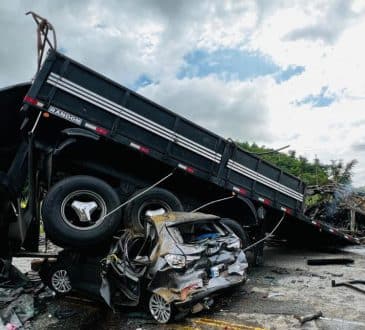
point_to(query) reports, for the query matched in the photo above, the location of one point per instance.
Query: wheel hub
(159, 308)
(61, 281)
(84, 210)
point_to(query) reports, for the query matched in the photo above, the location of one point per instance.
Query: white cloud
(235, 109)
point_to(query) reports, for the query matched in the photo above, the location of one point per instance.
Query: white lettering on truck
(64, 115)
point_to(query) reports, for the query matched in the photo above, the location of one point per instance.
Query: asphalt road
(283, 288)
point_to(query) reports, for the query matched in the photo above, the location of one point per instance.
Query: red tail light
(101, 130)
(186, 168)
(30, 100)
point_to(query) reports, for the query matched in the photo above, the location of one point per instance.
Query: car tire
(73, 212)
(153, 199)
(238, 230)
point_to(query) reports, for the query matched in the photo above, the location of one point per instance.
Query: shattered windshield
(197, 231)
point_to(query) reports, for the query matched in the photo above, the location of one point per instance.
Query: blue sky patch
(323, 99)
(62, 50)
(229, 64)
(142, 81)
(290, 72)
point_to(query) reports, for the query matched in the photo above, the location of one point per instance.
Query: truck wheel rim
(83, 210)
(159, 308)
(60, 281)
(152, 206)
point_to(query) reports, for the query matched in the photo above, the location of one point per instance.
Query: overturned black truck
(75, 146)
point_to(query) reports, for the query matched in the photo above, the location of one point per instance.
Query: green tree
(311, 173)
(341, 173)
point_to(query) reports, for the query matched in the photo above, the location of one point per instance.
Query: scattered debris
(20, 298)
(330, 261)
(339, 205)
(350, 284)
(334, 274)
(275, 294)
(10, 276)
(62, 314)
(281, 271)
(311, 317)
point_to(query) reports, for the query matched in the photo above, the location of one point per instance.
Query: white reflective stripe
(268, 181)
(133, 117)
(136, 121)
(116, 108)
(145, 125)
(91, 126)
(264, 180)
(186, 140)
(194, 149)
(57, 79)
(90, 99)
(135, 145)
(259, 179)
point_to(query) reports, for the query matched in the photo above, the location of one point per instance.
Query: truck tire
(238, 230)
(73, 212)
(153, 200)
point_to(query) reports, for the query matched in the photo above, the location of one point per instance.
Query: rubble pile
(22, 297)
(339, 205)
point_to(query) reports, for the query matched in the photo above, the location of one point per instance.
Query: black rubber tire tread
(66, 236)
(131, 218)
(238, 230)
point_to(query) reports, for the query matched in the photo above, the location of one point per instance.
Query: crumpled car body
(195, 256)
(184, 258)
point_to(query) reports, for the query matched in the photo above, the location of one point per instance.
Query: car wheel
(160, 310)
(73, 212)
(238, 230)
(154, 201)
(56, 277)
(60, 281)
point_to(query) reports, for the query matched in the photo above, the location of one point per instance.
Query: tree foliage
(311, 172)
(341, 173)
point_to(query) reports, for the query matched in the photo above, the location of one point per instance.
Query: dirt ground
(284, 287)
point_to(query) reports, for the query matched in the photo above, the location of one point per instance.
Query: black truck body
(103, 128)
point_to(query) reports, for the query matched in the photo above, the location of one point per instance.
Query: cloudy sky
(274, 72)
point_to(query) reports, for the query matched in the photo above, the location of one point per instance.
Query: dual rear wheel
(82, 211)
